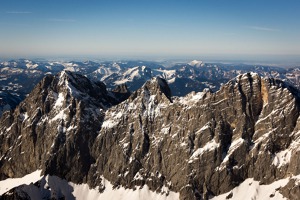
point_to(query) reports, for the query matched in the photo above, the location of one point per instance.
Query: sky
(234, 29)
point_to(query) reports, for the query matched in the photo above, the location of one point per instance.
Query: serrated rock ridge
(200, 145)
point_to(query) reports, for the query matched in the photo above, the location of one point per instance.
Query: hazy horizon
(270, 60)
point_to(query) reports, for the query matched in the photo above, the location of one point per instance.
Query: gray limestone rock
(200, 145)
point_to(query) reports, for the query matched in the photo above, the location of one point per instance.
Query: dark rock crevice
(202, 146)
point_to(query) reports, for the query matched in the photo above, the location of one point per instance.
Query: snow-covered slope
(251, 189)
(8, 184)
(34, 186)
(196, 63)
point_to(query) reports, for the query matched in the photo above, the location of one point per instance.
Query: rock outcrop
(200, 145)
(121, 92)
(54, 127)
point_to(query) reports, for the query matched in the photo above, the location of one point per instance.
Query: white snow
(197, 96)
(9, 128)
(172, 80)
(25, 116)
(250, 189)
(191, 98)
(134, 74)
(211, 145)
(112, 119)
(60, 100)
(63, 80)
(31, 66)
(109, 123)
(103, 70)
(119, 115)
(10, 183)
(61, 129)
(60, 187)
(59, 116)
(120, 82)
(130, 71)
(125, 145)
(245, 76)
(282, 158)
(130, 75)
(165, 130)
(82, 192)
(195, 63)
(138, 176)
(166, 74)
(263, 137)
(206, 126)
(234, 145)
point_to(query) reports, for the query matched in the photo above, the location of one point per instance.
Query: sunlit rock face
(201, 145)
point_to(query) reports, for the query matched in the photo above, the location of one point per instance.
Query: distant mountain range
(18, 77)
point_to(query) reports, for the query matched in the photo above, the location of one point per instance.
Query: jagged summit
(80, 86)
(198, 146)
(158, 86)
(55, 113)
(121, 92)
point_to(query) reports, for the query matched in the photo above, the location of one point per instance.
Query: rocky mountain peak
(199, 146)
(121, 89)
(121, 92)
(53, 118)
(78, 85)
(158, 86)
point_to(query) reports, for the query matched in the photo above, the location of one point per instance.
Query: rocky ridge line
(200, 145)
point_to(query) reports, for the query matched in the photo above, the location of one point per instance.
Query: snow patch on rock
(251, 189)
(7, 184)
(211, 145)
(282, 158)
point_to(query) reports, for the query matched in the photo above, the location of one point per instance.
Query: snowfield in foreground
(249, 189)
(10, 183)
(57, 187)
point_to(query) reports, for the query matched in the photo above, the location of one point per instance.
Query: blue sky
(165, 28)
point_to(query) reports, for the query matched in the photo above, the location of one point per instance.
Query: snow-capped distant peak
(31, 66)
(196, 63)
(134, 73)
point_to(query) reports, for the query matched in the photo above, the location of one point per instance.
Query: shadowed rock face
(54, 127)
(121, 92)
(199, 145)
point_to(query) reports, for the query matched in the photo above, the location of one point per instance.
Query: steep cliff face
(203, 144)
(200, 145)
(54, 127)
